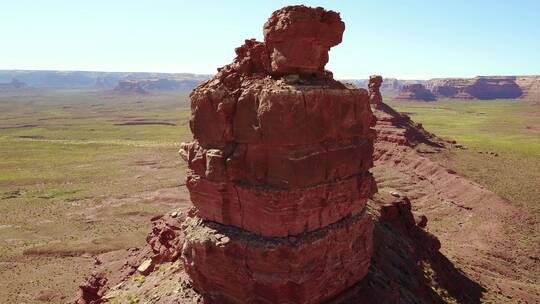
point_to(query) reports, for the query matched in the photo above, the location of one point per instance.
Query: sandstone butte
(416, 92)
(483, 88)
(476, 88)
(278, 171)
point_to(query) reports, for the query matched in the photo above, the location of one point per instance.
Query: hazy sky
(404, 39)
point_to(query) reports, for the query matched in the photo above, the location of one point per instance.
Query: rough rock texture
(305, 269)
(298, 39)
(406, 267)
(476, 88)
(91, 291)
(280, 212)
(280, 150)
(374, 87)
(415, 92)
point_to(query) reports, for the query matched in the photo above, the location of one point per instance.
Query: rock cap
(298, 39)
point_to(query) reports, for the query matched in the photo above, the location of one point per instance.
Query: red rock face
(279, 213)
(281, 150)
(235, 266)
(299, 38)
(374, 87)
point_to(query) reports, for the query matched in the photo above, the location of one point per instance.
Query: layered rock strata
(476, 88)
(278, 170)
(416, 92)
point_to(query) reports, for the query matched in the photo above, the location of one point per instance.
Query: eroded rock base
(231, 265)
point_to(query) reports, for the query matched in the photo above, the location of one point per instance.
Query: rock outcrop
(278, 171)
(374, 86)
(475, 88)
(298, 40)
(416, 92)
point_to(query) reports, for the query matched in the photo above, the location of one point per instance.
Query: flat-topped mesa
(416, 91)
(280, 150)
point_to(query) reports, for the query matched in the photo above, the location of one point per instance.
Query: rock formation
(375, 82)
(415, 92)
(475, 88)
(278, 170)
(129, 86)
(143, 86)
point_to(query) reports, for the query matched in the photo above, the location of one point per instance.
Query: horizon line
(208, 74)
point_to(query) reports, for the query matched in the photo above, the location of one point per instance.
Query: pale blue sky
(404, 39)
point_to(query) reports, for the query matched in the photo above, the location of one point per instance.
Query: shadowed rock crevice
(407, 266)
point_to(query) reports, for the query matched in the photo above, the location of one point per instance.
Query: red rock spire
(278, 170)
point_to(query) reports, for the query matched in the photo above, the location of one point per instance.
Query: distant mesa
(87, 80)
(416, 92)
(476, 88)
(14, 84)
(144, 86)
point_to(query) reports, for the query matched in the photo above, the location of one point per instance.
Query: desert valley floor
(83, 172)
